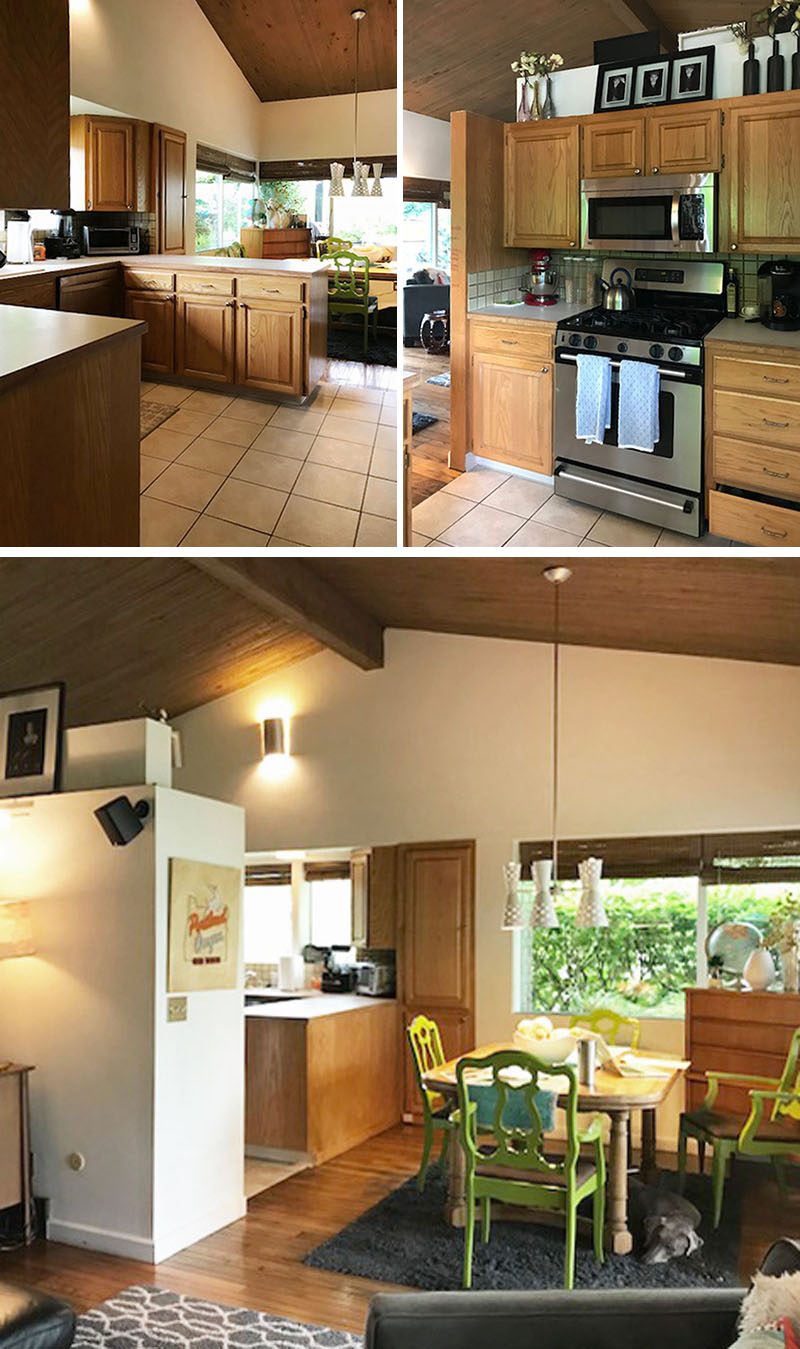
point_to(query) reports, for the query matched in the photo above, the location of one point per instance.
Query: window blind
(268, 873)
(427, 189)
(731, 859)
(722, 859)
(327, 871)
(318, 170)
(232, 167)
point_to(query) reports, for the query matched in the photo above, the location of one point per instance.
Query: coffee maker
(779, 295)
(542, 280)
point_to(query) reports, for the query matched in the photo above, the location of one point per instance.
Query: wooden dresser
(258, 243)
(736, 1033)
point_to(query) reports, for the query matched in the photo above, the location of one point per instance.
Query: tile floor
(225, 472)
(488, 509)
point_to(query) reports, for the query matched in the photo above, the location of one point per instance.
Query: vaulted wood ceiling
(457, 53)
(306, 48)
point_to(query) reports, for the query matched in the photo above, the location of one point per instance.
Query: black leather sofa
(33, 1320)
(629, 1319)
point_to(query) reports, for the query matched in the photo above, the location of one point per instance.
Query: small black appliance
(779, 295)
(338, 974)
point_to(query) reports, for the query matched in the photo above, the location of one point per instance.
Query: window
(362, 220)
(426, 235)
(223, 207)
(267, 923)
(331, 912)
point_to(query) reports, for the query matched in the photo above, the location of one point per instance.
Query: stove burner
(648, 323)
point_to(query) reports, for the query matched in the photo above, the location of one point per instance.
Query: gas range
(645, 333)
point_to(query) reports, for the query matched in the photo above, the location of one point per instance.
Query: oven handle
(615, 365)
(685, 509)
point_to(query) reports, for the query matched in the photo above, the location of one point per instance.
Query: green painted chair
(427, 1053)
(348, 291)
(776, 1135)
(332, 245)
(603, 1021)
(508, 1163)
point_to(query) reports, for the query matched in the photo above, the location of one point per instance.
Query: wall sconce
(16, 930)
(274, 737)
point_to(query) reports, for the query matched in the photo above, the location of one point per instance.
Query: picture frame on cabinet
(652, 83)
(692, 75)
(614, 91)
(31, 740)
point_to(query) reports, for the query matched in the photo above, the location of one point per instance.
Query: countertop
(176, 262)
(30, 338)
(754, 334)
(550, 313)
(308, 1009)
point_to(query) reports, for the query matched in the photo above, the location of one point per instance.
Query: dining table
(611, 1094)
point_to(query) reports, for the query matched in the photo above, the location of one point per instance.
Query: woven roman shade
(268, 873)
(328, 871)
(718, 859)
(436, 190)
(232, 167)
(731, 859)
(318, 170)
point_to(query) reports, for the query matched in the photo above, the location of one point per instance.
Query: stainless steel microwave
(99, 240)
(650, 215)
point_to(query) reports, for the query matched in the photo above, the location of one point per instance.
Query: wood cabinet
(736, 1033)
(34, 104)
(373, 879)
(512, 411)
(169, 161)
(762, 147)
(97, 292)
(613, 145)
(542, 183)
(359, 897)
(204, 338)
(104, 164)
(157, 310)
(684, 140)
(261, 243)
(39, 293)
(270, 346)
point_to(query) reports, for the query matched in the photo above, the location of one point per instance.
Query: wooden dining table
(612, 1095)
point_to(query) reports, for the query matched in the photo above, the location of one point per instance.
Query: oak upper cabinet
(762, 146)
(614, 145)
(204, 338)
(684, 140)
(542, 184)
(359, 897)
(270, 339)
(34, 104)
(512, 411)
(103, 164)
(169, 158)
(157, 310)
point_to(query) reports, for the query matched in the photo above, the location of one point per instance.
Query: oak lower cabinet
(157, 310)
(270, 346)
(33, 294)
(762, 140)
(736, 1032)
(512, 411)
(92, 293)
(542, 183)
(205, 333)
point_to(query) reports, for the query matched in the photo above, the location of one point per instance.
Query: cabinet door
(205, 338)
(171, 190)
(382, 909)
(100, 294)
(512, 412)
(542, 184)
(270, 346)
(613, 146)
(763, 172)
(686, 141)
(158, 344)
(34, 104)
(31, 294)
(110, 175)
(359, 897)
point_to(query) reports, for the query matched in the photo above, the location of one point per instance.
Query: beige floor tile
(533, 535)
(433, 516)
(251, 410)
(386, 438)
(201, 401)
(350, 407)
(269, 470)
(439, 543)
(245, 503)
(149, 470)
(476, 484)
(164, 525)
(318, 524)
(189, 423)
(211, 533)
(587, 543)
(277, 542)
(572, 516)
(347, 428)
(380, 498)
(384, 463)
(168, 394)
(388, 415)
(212, 455)
(336, 485)
(482, 527)
(520, 496)
(307, 420)
(358, 394)
(375, 531)
(231, 432)
(145, 389)
(161, 444)
(184, 486)
(419, 540)
(619, 532)
(291, 444)
(340, 454)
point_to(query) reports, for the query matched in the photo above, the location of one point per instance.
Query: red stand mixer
(542, 287)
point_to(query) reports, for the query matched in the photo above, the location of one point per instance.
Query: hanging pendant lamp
(360, 171)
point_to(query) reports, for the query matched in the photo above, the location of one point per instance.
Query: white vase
(759, 970)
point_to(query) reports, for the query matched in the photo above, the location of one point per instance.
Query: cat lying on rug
(770, 1315)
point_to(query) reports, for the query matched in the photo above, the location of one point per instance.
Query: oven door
(648, 215)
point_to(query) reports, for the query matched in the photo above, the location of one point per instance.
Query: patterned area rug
(443, 378)
(151, 1318)
(153, 414)
(421, 421)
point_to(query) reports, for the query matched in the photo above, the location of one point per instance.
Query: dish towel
(593, 399)
(639, 388)
(516, 1114)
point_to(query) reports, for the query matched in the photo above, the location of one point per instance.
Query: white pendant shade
(591, 909)
(337, 180)
(543, 909)
(377, 189)
(513, 912)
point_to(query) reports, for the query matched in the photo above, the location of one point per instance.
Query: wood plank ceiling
(457, 53)
(306, 48)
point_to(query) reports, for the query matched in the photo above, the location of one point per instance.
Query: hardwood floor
(364, 376)
(431, 449)
(258, 1262)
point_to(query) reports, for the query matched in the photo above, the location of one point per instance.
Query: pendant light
(556, 577)
(360, 171)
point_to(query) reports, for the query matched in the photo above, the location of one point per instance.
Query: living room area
(586, 880)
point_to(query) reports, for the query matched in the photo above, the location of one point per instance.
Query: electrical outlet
(177, 1009)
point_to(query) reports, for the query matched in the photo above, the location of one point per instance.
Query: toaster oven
(102, 240)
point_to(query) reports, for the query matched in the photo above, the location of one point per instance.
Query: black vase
(775, 65)
(796, 66)
(751, 81)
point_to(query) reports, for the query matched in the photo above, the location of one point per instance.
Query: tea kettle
(618, 295)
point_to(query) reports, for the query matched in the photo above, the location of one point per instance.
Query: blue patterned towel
(516, 1114)
(639, 386)
(593, 399)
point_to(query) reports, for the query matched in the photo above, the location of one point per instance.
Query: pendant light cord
(355, 103)
(556, 655)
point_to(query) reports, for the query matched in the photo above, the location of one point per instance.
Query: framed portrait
(614, 88)
(31, 739)
(651, 84)
(205, 905)
(692, 75)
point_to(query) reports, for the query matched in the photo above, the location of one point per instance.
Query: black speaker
(121, 821)
(627, 50)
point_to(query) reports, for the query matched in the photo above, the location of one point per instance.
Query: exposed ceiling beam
(293, 591)
(637, 16)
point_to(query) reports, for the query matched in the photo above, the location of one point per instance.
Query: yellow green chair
(348, 291)
(775, 1135)
(603, 1021)
(508, 1162)
(332, 245)
(427, 1053)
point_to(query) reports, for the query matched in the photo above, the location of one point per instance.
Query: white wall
(322, 128)
(452, 740)
(426, 147)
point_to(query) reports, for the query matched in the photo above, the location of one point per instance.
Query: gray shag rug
(151, 1318)
(404, 1239)
(421, 421)
(152, 415)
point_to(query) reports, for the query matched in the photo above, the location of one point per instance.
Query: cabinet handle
(274, 291)
(767, 422)
(773, 533)
(656, 170)
(734, 247)
(242, 305)
(509, 342)
(637, 171)
(770, 379)
(231, 304)
(545, 369)
(771, 473)
(572, 243)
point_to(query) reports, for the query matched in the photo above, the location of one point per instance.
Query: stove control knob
(622, 346)
(590, 342)
(656, 352)
(675, 353)
(575, 340)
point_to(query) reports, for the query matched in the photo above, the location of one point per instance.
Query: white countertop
(754, 334)
(191, 262)
(547, 313)
(34, 337)
(54, 267)
(308, 1009)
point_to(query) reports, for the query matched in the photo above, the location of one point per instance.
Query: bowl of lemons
(536, 1035)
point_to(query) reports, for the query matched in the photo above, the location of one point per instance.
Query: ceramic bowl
(557, 1048)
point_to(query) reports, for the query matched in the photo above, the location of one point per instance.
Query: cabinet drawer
(191, 284)
(271, 288)
(772, 379)
(135, 279)
(40, 294)
(770, 421)
(773, 472)
(754, 522)
(506, 339)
